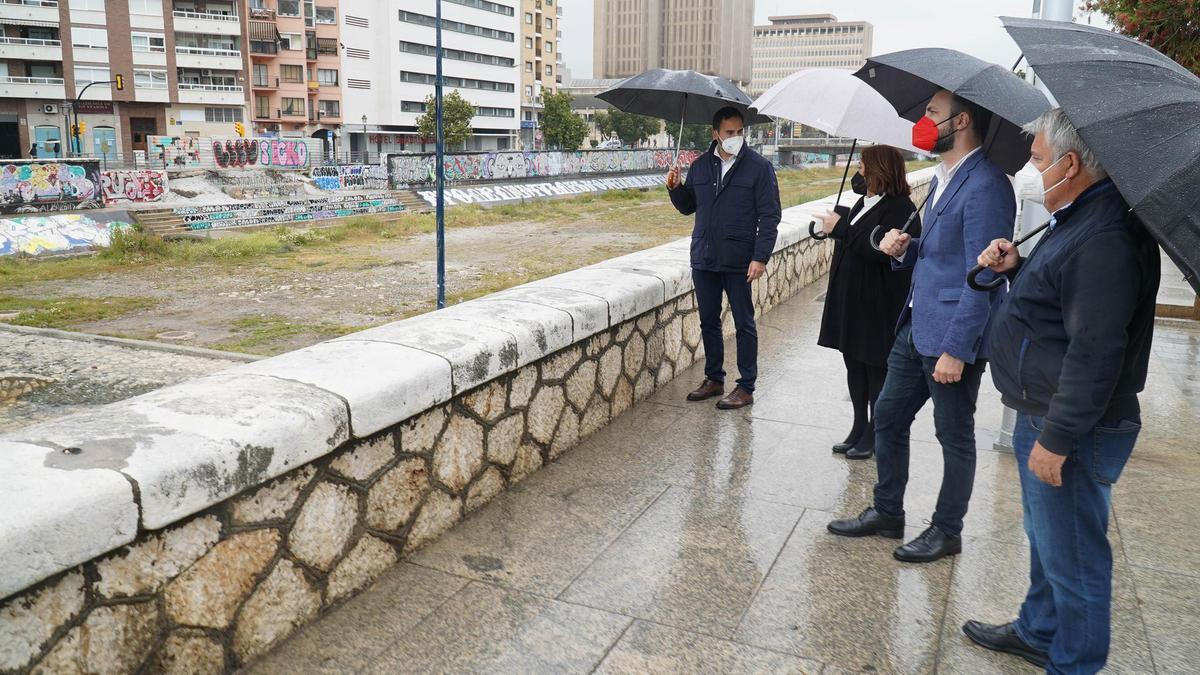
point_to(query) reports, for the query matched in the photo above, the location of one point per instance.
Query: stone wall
(194, 528)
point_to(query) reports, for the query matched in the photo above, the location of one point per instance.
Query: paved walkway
(683, 539)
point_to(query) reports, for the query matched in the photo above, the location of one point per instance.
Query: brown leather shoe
(738, 398)
(707, 389)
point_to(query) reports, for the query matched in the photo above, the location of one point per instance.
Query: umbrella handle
(812, 231)
(999, 281)
(875, 238)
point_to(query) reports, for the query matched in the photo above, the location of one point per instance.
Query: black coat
(865, 295)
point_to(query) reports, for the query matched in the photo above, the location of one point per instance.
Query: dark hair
(728, 112)
(981, 117)
(884, 168)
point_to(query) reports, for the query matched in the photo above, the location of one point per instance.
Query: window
(528, 43)
(293, 107)
(528, 17)
(222, 114)
(309, 14)
(291, 73)
(412, 106)
(93, 5)
(494, 112)
(150, 79)
(260, 76)
(528, 91)
(457, 82)
(549, 46)
(529, 66)
(289, 8)
(326, 15)
(456, 54)
(262, 107)
(292, 41)
(329, 108)
(149, 42)
(456, 26)
(549, 71)
(487, 6)
(549, 23)
(89, 37)
(153, 7)
(85, 75)
(327, 77)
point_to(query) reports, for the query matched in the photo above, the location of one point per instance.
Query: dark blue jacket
(737, 219)
(1071, 342)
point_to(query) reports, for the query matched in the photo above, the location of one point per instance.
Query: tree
(561, 127)
(456, 118)
(630, 128)
(1170, 26)
(695, 136)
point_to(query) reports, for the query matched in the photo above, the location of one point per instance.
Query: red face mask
(925, 133)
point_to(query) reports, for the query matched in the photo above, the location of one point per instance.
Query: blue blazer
(947, 316)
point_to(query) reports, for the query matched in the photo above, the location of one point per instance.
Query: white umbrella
(841, 105)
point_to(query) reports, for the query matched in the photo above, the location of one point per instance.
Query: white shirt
(726, 164)
(944, 175)
(868, 202)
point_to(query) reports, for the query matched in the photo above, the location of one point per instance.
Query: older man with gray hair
(1071, 346)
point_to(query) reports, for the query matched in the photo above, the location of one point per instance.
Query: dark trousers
(1067, 611)
(908, 386)
(710, 286)
(864, 382)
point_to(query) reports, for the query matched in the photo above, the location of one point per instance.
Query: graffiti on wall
(140, 185)
(224, 216)
(419, 169)
(30, 187)
(504, 193)
(178, 153)
(36, 235)
(351, 177)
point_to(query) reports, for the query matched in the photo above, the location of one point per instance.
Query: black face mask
(858, 184)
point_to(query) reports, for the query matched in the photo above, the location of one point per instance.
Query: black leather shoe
(865, 447)
(852, 439)
(930, 545)
(841, 448)
(1003, 638)
(867, 523)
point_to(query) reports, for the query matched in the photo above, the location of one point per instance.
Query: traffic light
(78, 130)
(239, 128)
(120, 81)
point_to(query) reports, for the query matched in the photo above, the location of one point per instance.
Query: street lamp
(366, 158)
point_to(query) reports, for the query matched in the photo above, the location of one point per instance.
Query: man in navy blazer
(941, 348)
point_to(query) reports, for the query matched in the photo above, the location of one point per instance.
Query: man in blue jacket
(1072, 347)
(940, 351)
(732, 191)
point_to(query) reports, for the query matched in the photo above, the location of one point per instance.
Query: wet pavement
(683, 539)
(83, 371)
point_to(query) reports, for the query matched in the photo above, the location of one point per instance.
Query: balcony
(262, 13)
(208, 57)
(313, 86)
(207, 22)
(30, 49)
(218, 94)
(29, 10)
(33, 87)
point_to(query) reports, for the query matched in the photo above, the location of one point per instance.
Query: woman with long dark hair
(865, 295)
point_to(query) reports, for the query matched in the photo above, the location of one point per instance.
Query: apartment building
(182, 62)
(541, 70)
(389, 70)
(295, 67)
(791, 43)
(709, 36)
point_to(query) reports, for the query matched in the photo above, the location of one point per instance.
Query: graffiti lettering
(281, 153)
(351, 177)
(29, 187)
(145, 185)
(419, 169)
(223, 216)
(237, 152)
(501, 193)
(35, 235)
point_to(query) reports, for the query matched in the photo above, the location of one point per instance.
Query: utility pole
(441, 169)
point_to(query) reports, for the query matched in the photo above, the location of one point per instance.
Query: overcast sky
(970, 27)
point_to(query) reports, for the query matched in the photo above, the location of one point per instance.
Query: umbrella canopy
(1139, 112)
(837, 103)
(908, 79)
(685, 95)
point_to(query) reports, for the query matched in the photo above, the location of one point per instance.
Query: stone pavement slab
(683, 539)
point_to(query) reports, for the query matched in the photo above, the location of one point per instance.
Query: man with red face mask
(940, 350)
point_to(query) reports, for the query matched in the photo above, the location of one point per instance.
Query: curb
(131, 343)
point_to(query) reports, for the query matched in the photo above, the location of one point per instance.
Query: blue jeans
(710, 286)
(1067, 609)
(908, 386)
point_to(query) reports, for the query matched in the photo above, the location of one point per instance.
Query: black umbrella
(1139, 112)
(684, 95)
(908, 79)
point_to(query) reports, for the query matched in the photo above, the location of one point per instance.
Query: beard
(944, 143)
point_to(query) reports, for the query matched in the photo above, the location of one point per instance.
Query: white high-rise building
(388, 70)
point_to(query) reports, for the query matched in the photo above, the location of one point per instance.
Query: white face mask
(1042, 174)
(732, 145)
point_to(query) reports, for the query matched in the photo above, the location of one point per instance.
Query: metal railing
(210, 16)
(191, 86)
(262, 13)
(31, 80)
(819, 141)
(31, 3)
(207, 51)
(31, 42)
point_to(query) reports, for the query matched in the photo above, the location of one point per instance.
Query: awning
(327, 45)
(29, 22)
(263, 31)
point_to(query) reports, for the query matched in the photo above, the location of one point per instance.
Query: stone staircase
(161, 222)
